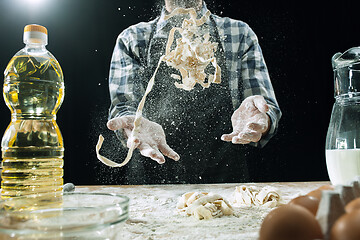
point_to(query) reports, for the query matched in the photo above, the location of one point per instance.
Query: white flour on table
(153, 212)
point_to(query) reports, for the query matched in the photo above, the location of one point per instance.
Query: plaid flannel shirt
(247, 70)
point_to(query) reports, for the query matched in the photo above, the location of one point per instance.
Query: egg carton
(333, 202)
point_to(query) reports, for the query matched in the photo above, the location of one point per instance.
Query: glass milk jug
(343, 136)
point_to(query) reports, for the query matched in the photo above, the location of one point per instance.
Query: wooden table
(153, 212)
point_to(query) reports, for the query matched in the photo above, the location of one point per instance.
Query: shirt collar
(162, 22)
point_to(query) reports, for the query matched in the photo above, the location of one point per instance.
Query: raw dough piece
(204, 205)
(193, 52)
(254, 196)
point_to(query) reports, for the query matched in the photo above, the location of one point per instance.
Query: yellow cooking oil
(32, 145)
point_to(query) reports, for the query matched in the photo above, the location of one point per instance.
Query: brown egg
(353, 205)
(327, 187)
(347, 227)
(317, 192)
(290, 222)
(309, 202)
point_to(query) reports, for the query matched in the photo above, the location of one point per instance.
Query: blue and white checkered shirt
(247, 70)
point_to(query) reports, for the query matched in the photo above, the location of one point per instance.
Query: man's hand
(250, 121)
(150, 139)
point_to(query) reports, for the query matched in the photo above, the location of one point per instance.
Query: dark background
(298, 40)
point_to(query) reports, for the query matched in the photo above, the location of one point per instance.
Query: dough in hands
(254, 196)
(203, 205)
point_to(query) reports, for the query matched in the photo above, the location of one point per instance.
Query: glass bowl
(73, 216)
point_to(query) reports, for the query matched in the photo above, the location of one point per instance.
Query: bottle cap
(34, 33)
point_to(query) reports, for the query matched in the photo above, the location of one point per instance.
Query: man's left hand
(250, 121)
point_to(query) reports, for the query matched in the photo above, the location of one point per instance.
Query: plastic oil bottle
(32, 145)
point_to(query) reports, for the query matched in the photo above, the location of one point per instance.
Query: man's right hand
(150, 139)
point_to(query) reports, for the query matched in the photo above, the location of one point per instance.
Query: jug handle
(334, 58)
